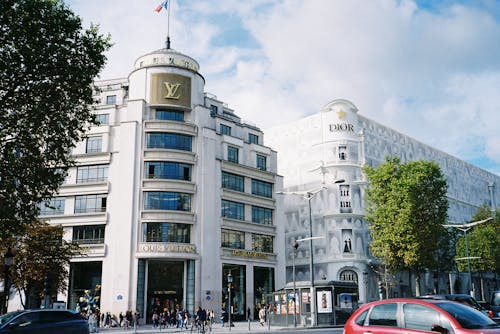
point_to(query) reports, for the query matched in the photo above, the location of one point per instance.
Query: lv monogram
(172, 90)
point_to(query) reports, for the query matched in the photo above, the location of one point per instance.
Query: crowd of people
(182, 319)
(98, 320)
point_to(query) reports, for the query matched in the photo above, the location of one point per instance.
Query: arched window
(349, 275)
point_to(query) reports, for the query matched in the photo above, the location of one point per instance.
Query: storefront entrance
(165, 287)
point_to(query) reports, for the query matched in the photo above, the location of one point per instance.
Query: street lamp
(229, 282)
(464, 228)
(7, 261)
(295, 246)
(309, 195)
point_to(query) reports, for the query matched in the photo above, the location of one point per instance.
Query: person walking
(262, 316)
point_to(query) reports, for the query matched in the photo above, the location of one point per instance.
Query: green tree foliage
(406, 207)
(47, 66)
(41, 252)
(483, 241)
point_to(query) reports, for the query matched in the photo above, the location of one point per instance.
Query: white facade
(176, 192)
(333, 145)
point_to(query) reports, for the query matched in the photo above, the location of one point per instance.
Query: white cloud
(434, 75)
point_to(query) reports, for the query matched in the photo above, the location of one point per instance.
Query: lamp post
(229, 282)
(464, 228)
(295, 246)
(309, 195)
(7, 261)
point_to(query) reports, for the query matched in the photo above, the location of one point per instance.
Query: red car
(408, 315)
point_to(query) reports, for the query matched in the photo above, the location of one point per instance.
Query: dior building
(171, 193)
(325, 152)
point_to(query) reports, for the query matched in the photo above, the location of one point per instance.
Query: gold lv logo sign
(172, 90)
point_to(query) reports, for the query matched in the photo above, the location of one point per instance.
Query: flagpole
(168, 24)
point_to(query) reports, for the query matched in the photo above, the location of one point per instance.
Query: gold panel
(168, 88)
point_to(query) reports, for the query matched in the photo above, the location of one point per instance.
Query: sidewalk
(239, 327)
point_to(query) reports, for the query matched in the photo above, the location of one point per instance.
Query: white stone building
(171, 193)
(333, 145)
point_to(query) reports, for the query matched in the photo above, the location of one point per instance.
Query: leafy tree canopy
(40, 252)
(47, 66)
(483, 241)
(406, 207)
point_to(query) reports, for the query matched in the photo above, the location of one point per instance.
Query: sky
(428, 69)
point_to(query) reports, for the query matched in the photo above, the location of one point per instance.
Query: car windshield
(6, 317)
(467, 316)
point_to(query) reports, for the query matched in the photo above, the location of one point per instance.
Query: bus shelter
(335, 302)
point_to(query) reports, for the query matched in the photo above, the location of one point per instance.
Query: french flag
(162, 5)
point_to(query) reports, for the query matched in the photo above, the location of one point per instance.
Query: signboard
(324, 300)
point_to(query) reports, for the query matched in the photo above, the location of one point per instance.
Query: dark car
(464, 299)
(45, 321)
(411, 315)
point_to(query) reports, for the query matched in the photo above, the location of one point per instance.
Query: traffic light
(381, 290)
(46, 285)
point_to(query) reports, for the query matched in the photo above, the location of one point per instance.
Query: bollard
(249, 324)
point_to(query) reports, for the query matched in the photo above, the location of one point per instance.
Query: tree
(406, 207)
(484, 242)
(39, 254)
(47, 67)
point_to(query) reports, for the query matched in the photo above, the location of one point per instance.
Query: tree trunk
(417, 284)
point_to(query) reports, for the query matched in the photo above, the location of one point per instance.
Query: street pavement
(239, 327)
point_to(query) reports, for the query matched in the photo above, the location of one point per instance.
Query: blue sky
(429, 69)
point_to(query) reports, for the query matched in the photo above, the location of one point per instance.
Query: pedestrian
(262, 316)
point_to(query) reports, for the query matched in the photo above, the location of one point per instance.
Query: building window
(345, 204)
(349, 275)
(166, 232)
(172, 141)
(165, 200)
(169, 115)
(89, 234)
(54, 206)
(111, 99)
(91, 174)
(94, 144)
(344, 190)
(232, 154)
(167, 170)
(225, 130)
(262, 243)
(90, 203)
(262, 216)
(102, 119)
(262, 188)
(233, 182)
(342, 152)
(233, 210)
(232, 239)
(261, 162)
(213, 110)
(253, 139)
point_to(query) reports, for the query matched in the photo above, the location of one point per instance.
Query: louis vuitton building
(328, 149)
(171, 193)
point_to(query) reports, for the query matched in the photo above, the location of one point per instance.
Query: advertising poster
(324, 299)
(346, 300)
(290, 303)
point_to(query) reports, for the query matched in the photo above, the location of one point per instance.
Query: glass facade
(232, 154)
(166, 232)
(233, 210)
(262, 243)
(262, 188)
(232, 239)
(85, 286)
(94, 144)
(262, 215)
(233, 181)
(165, 200)
(167, 170)
(89, 234)
(165, 140)
(165, 287)
(55, 206)
(90, 203)
(169, 115)
(90, 174)
(263, 283)
(238, 290)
